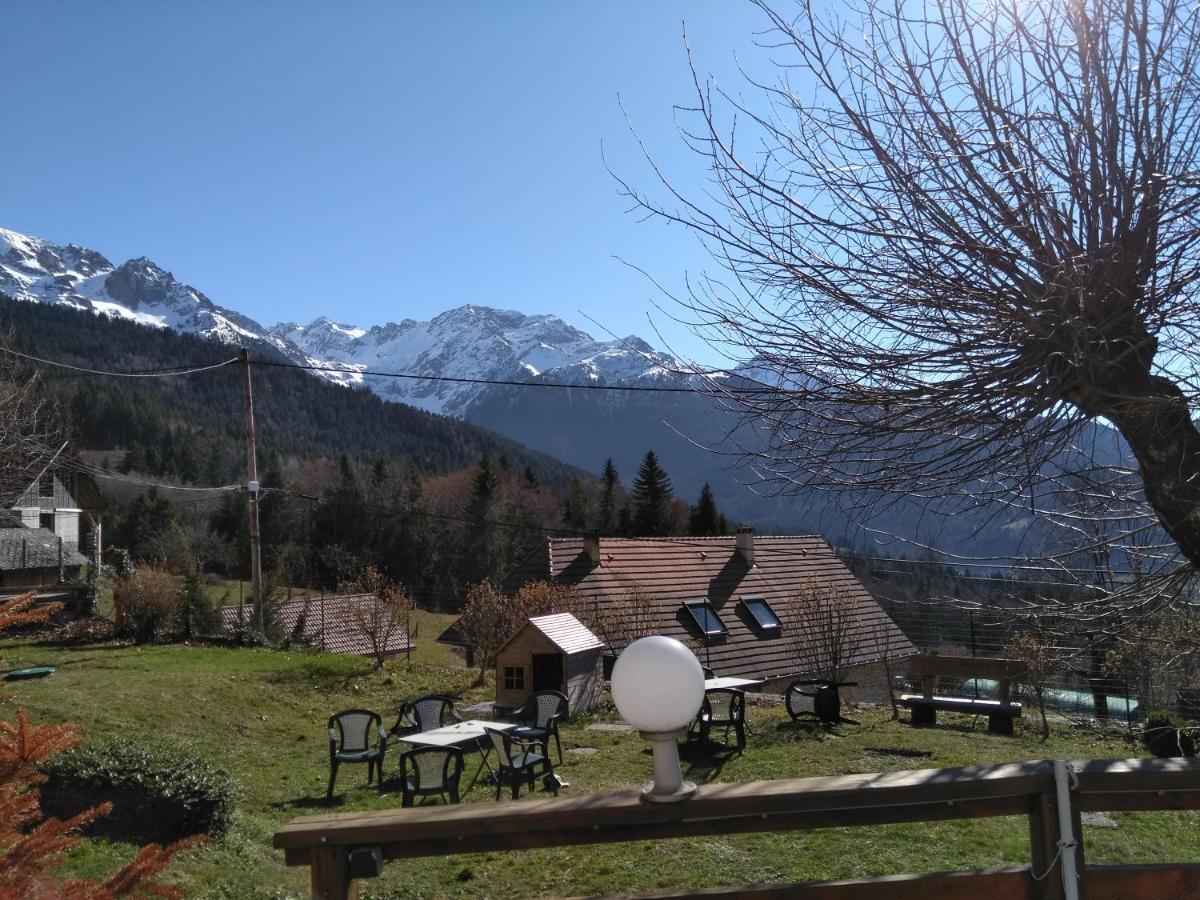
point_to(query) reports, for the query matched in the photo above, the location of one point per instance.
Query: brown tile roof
(328, 623)
(671, 571)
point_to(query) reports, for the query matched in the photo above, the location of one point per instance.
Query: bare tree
(623, 619)
(490, 617)
(1039, 666)
(826, 633)
(29, 430)
(884, 643)
(956, 234)
(384, 617)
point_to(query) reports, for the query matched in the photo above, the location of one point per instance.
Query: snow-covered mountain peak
(468, 342)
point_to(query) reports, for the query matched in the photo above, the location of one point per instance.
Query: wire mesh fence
(1090, 674)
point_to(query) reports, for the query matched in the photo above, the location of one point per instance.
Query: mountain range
(477, 343)
(470, 342)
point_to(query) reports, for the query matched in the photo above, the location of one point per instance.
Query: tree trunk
(1154, 419)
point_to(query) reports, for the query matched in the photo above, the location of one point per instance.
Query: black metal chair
(540, 717)
(708, 673)
(723, 708)
(426, 713)
(350, 742)
(819, 698)
(435, 771)
(520, 765)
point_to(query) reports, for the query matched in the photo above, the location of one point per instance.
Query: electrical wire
(161, 372)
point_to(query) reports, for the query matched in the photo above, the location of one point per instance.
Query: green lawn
(231, 591)
(261, 714)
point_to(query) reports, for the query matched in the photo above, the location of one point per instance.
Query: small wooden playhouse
(551, 653)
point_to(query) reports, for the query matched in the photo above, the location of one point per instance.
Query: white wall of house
(66, 526)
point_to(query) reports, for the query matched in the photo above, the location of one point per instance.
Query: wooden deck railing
(323, 842)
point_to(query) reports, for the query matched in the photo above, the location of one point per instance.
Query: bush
(195, 614)
(158, 793)
(147, 601)
(1168, 735)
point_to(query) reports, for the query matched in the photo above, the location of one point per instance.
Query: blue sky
(370, 161)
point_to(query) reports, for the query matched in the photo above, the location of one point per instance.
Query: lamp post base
(668, 785)
(651, 793)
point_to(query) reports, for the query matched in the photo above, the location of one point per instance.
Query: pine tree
(147, 524)
(575, 506)
(479, 528)
(652, 494)
(705, 520)
(607, 518)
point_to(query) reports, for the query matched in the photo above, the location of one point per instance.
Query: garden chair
(350, 742)
(818, 698)
(519, 765)
(435, 770)
(540, 717)
(723, 708)
(425, 713)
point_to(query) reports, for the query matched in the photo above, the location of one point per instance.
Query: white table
(711, 684)
(471, 731)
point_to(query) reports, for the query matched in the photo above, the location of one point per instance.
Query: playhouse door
(547, 672)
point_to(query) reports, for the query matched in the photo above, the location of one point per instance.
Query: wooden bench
(928, 667)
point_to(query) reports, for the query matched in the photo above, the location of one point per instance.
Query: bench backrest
(930, 666)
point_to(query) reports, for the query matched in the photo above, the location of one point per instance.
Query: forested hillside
(192, 426)
(349, 480)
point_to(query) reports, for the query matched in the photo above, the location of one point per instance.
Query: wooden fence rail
(323, 842)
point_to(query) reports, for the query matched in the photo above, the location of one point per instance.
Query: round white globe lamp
(658, 687)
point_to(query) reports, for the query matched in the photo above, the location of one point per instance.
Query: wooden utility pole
(252, 498)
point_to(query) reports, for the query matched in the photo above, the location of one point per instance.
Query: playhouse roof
(565, 631)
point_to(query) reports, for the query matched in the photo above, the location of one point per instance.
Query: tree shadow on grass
(312, 802)
(704, 761)
(973, 725)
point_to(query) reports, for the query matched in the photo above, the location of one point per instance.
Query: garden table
(461, 734)
(730, 682)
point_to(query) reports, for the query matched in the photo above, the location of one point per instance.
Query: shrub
(1168, 735)
(195, 614)
(146, 601)
(157, 793)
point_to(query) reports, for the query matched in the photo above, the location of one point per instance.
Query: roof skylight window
(760, 610)
(706, 618)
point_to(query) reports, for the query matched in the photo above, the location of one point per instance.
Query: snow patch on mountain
(472, 343)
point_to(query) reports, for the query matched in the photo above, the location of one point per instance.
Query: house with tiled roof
(65, 501)
(328, 623)
(732, 599)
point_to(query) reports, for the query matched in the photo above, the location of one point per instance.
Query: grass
(232, 591)
(261, 714)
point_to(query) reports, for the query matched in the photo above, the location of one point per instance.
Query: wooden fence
(323, 842)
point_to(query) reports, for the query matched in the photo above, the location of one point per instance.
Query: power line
(159, 372)
(78, 465)
(163, 371)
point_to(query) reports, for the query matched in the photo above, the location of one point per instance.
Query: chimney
(745, 544)
(591, 546)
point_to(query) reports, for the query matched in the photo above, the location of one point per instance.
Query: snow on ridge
(469, 341)
(117, 311)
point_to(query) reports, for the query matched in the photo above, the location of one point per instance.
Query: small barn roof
(328, 623)
(35, 548)
(566, 632)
